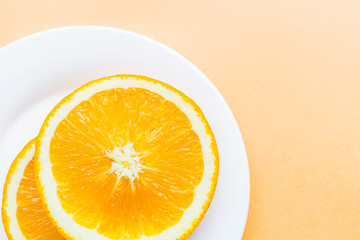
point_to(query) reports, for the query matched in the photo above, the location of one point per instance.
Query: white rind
(12, 190)
(63, 220)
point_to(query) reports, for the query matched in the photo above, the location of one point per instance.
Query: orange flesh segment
(31, 216)
(92, 190)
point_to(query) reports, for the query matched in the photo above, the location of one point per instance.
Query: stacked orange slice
(23, 214)
(123, 157)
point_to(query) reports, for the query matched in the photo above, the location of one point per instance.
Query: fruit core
(125, 162)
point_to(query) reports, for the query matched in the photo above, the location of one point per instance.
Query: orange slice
(126, 157)
(23, 214)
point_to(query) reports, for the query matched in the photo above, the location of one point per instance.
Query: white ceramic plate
(37, 71)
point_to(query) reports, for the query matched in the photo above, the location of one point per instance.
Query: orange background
(290, 71)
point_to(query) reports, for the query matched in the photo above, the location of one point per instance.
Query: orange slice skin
(13, 167)
(4, 214)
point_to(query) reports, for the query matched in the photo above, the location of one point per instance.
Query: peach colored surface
(290, 71)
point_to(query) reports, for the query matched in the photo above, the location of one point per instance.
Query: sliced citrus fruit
(23, 214)
(126, 157)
